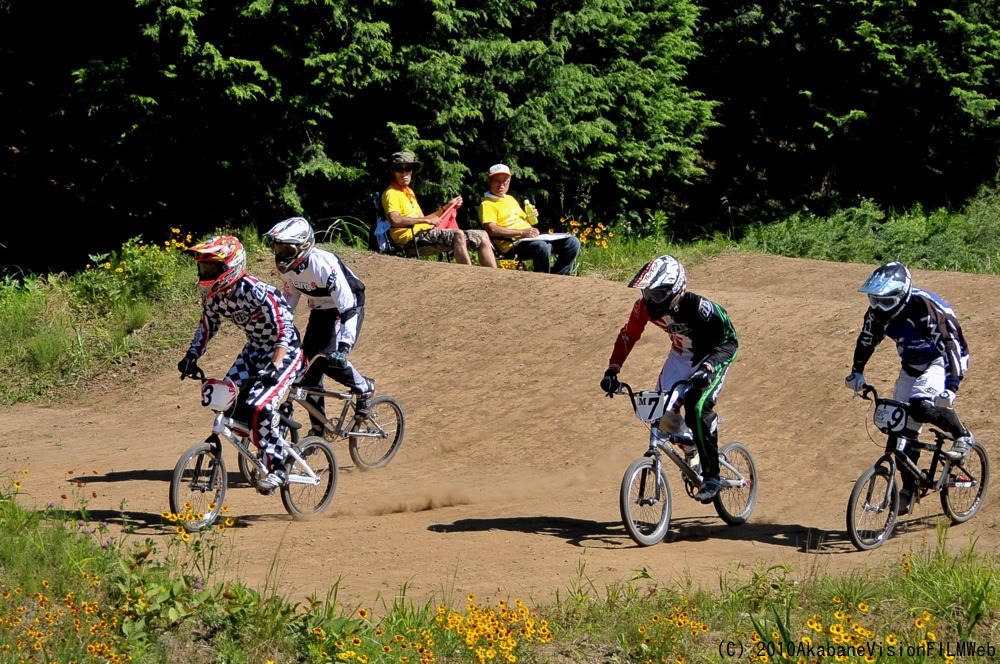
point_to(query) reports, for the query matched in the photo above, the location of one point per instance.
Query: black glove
(188, 364)
(338, 360)
(610, 383)
(701, 378)
(268, 376)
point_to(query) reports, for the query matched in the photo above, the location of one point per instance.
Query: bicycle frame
(893, 420)
(233, 430)
(661, 443)
(299, 395)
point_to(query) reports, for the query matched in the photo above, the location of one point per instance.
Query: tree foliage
(823, 104)
(200, 114)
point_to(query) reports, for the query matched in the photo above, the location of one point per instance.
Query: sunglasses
(403, 168)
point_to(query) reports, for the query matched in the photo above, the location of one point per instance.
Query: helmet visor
(656, 296)
(210, 270)
(883, 302)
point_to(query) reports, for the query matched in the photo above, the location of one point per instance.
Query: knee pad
(922, 410)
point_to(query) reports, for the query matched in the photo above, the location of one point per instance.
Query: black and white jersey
(323, 279)
(254, 306)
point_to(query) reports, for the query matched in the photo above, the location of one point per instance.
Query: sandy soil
(507, 483)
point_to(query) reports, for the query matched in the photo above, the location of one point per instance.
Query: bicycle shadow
(124, 476)
(612, 535)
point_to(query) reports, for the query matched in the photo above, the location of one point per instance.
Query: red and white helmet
(222, 261)
(662, 281)
(291, 241)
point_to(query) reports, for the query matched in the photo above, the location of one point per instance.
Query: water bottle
(532, 213)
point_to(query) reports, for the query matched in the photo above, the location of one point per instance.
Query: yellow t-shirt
(505, 212)
(403, 201)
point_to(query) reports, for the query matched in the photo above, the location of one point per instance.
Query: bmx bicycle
(873, 508)
(200, 480)
(644, 499)
(373, 440)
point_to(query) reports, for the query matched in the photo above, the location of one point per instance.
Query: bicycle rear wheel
(644, 502)
(305, 499)
(375, 440)
(872, 508)
(964, 492)
(736, 504)
(198, 487)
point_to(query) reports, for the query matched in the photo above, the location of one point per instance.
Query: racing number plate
(890, 418)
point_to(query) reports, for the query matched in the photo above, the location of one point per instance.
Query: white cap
(498, 169)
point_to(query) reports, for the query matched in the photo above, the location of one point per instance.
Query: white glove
(945, 400)
(855, 381)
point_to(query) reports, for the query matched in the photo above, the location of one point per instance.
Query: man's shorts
(444, 239)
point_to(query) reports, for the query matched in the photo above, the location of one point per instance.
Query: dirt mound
(507, 483)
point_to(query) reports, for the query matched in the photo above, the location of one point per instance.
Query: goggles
(210, 271)
(883, 302)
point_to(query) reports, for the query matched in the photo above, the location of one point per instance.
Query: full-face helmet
(662, 281)
(888, 289)
(221, 261)
(291, 241)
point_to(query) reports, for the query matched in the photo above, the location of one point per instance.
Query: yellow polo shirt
(403, 201)
(505, 212)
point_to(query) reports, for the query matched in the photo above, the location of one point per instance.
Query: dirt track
(508, 480)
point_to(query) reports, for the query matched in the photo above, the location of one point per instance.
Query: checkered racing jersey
(257, 308)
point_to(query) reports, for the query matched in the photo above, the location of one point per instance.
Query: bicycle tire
(198, 486)
(306, 500)
(385, 417)
(961, 503)
(870, 527)
(735, 505)
(645, 513)
(248, 471)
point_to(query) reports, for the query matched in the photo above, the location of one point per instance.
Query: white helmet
(888, 288)
(662, 281)
(291, 241)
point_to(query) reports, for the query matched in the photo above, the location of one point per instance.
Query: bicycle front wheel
(198, 487)
(736, 504)
(872, 508)
(303, 496)
(964, 491)
(375, 440)
(644, 502)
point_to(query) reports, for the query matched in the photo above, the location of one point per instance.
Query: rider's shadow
(578, 532)
(124, 476)
(611, 534)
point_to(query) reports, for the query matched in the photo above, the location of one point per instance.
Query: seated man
(511, 229)
(409, 222)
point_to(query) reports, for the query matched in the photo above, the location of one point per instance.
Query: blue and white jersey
(924, 330)
(254, 306)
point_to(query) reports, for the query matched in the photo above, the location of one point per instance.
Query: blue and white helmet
(291, 241)
(888, 288)
(662, 281)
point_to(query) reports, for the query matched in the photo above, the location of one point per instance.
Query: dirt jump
(507, 482)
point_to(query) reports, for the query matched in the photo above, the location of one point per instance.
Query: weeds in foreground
(97, 597)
